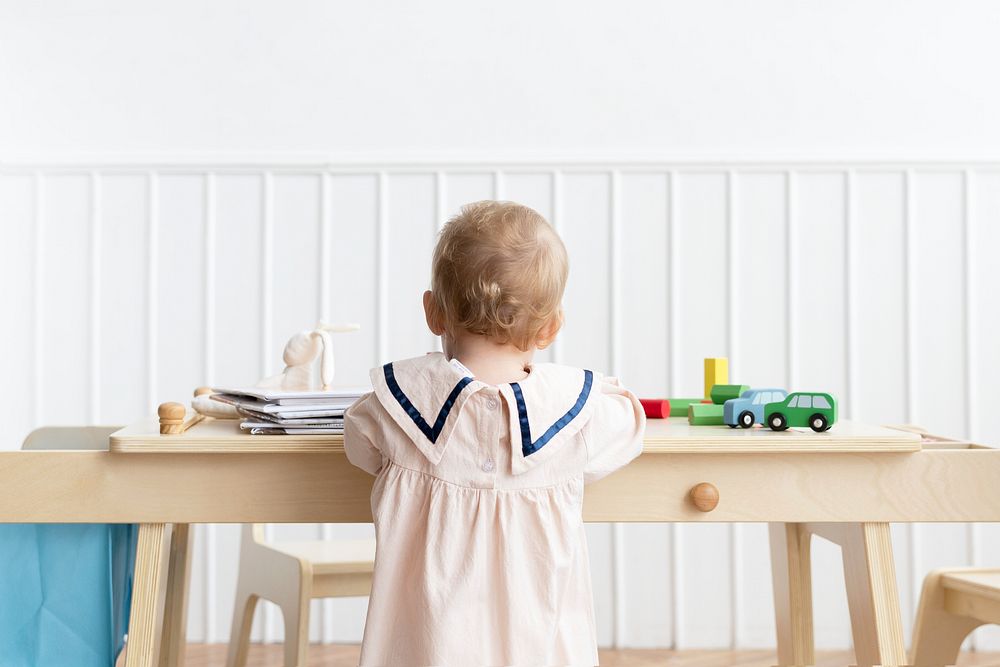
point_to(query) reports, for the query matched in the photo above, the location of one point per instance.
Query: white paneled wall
(128, 285)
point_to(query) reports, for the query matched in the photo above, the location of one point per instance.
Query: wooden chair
(290, 574)
(953, 603)
(69, 437)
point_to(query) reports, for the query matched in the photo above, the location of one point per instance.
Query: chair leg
(792, 583)
(239, 637)
(938, 633)
(870, 575)
(295, 611)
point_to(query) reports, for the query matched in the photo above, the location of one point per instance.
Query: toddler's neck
(490, 362)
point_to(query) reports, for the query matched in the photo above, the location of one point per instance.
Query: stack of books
(282, 412)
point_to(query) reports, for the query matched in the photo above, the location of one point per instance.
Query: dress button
(488, 465)
(491, 404)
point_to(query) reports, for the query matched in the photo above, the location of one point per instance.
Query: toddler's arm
(614, 432)
(361, 432)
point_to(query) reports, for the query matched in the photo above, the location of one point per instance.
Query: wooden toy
(300, 356)
(723, 392)
(656, 408)
(705, 414)
(748, 409)
(175, 418)
(679, 406)
(815, 410)
(953, 603)
(716, 372)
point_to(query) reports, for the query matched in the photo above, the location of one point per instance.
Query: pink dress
(477, 503)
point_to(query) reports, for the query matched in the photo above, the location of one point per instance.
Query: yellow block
(716, 372)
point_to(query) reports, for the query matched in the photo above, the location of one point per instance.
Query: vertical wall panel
(66, 307)
(585, 231)
(984, 286)
(296, 258)
(878, 225)
(818, 258)
(818, 261)
(238, 294)
(831, 620)
(759, 262)
(937, 267)
(18, 339)
(529, 188)
(412, 215)
(239, 322)
(938, 283)
(180, 259)
(463, 188)
(352, 287)
(701, 601)
(585, 337)
(643, 219)
(701, 209)
(124, 339)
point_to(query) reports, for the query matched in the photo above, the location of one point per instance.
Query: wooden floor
(214, 655)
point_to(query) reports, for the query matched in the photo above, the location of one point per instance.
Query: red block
(656, 408)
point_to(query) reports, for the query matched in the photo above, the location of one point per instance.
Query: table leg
(792, 583)
(172, 642)
(870, 574)
(146, 617)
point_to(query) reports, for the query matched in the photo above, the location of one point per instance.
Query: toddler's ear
(432, 315)
(549, 332)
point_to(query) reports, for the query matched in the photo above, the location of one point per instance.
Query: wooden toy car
(748, 409)
(815, 410)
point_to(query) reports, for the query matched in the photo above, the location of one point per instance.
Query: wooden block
(723, 392)
(716, 372)
(705, 414)
(655, 408)
(679, 406)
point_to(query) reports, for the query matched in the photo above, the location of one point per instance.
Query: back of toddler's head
(499, 270)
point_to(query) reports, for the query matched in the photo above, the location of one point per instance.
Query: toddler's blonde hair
(499, 270)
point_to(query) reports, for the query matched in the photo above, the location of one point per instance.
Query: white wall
(240, 222)
(891, 78)
(130, 287)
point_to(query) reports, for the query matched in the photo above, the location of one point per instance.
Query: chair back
(69, 437)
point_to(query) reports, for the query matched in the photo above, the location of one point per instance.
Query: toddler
(480, 458)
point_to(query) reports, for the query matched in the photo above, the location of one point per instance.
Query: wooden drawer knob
(705, 496)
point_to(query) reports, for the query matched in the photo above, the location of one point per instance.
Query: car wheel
(777, 422)
(818, 423)
(746, 419)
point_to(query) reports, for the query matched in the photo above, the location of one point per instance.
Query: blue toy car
(748, 409)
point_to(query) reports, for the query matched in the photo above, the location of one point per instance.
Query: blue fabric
(432, 433)
(65, 593)
(528, 447)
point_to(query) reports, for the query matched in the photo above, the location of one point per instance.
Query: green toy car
(817, 411)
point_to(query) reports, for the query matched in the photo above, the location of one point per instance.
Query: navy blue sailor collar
(425, 397)
(547, 409)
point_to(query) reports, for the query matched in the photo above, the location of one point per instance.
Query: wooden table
(845, 485)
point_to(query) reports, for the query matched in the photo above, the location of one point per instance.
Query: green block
(723, 392)
(705, 414)
(679, 406)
